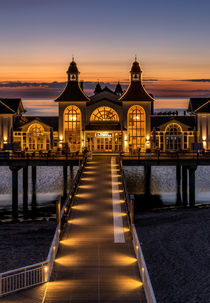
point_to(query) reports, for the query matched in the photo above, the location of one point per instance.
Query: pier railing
(150, 296)
(35, 274)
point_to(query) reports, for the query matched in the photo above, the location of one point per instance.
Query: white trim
(117, 215)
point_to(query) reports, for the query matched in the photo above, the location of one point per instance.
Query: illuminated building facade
(108, 121)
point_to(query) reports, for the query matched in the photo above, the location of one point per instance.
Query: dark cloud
(16, 84)
(54, 85)
(195, 80)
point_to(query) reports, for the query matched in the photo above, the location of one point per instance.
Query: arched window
(36, 129)
(136, 127)
(104, 113)
(36, 138)
(72, 127)
(173, 137)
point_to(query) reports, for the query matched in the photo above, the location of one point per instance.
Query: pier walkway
(96, 260)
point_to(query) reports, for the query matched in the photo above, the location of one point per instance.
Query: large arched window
(104, 113)
(136, 127)
(72, 127)
(173, 137)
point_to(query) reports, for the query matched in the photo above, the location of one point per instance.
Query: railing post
(25, 277)
(58, 214)
(132, 212)
(1, 285)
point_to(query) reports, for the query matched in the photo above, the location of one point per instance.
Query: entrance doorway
(104, 142)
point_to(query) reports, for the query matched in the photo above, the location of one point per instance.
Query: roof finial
(73, 58)
(135, 58)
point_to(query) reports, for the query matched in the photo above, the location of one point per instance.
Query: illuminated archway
(173, 137)
(104, 113)
(72, 127)
(136, 127)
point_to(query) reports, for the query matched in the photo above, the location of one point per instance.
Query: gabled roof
(49, 121)
(9, 106)
(196, 103)
(157, 120)
(136, 92)
(107, 95)
(72, 92)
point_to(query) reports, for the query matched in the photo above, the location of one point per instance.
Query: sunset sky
(170, 38)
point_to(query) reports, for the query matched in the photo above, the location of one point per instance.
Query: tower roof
(136, 90)
(118, 89)
(72, 92)
(97, 88)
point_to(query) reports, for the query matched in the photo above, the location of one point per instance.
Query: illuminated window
(72, 127)
(104, 114)
(36, 139)
(136, 127)
(173, 137)
(36, 129)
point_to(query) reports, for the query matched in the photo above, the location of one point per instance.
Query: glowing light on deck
(123, 260)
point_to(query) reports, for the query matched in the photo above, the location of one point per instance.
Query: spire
(73, 71)
(97, 89)
(118, 89)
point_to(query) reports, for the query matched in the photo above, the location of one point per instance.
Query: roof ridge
(204, 104)
(2, 102)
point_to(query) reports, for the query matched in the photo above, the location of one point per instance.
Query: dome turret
(73, 71)
(135, 71)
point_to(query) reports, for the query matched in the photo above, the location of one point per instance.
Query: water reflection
(163, 183)
(48, 187)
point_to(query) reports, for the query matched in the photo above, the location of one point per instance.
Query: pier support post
(33, 175)
(178, 185)
(192, 170)
(71, 167)
(147, 180)
(14, 192)
(64, 181)
(184, 185)
(25, 189)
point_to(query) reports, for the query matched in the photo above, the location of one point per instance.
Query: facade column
(25, 189)
(192, 170)
(184, 185)
(147, 179)
(64, 181)
(33, 175)
(178, 185)
(14, 192)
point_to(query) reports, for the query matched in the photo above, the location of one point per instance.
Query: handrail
(150, 296)
(38, 273)
(149, 292)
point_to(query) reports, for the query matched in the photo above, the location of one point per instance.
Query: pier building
(107, 121)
